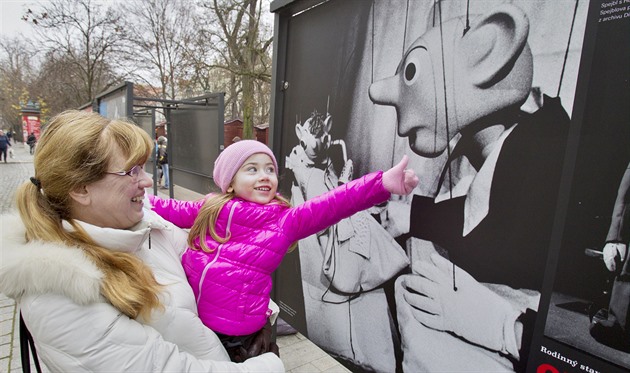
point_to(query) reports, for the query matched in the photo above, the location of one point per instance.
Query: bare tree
(240, 46)
(168, 45)
(84, 36)
(62, 88)
(160, 33)
(16, 74)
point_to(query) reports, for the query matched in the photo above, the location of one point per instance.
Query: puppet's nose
(385, 92)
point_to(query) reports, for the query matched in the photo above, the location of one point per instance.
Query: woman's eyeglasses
(134, 172)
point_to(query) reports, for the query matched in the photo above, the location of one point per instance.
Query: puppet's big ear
(494, 44)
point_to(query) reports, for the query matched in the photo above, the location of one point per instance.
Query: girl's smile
(256, 180)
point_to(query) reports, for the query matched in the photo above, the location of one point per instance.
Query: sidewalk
(296, 351)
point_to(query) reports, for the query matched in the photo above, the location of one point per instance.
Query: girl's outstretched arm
(360, 194)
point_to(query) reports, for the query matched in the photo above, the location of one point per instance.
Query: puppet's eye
(413, 65)
(410, 71)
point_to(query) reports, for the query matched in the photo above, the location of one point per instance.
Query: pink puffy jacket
(232, 284)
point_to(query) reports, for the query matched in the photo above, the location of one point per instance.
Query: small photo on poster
(590, 305)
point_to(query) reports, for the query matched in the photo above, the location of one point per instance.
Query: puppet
(343, 267)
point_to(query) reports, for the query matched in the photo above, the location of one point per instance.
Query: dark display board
(516, 118)
(196, 139)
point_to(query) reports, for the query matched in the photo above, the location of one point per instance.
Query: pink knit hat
(233, 157)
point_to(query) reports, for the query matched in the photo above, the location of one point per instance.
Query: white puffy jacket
(76, 329)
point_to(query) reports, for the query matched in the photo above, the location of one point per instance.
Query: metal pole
(169, 151)
(155, 154)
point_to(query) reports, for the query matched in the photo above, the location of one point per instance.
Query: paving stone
(5, 349)
(4, 365)
(324, 363)
(306, 368)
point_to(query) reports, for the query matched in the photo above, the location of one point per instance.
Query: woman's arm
(114, 341)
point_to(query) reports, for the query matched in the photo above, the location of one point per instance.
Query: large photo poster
(481, 95)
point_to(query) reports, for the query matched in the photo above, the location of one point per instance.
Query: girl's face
(256, 180)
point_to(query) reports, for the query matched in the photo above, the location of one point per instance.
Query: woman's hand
(461, 305)
(399, 180)
(262, 343)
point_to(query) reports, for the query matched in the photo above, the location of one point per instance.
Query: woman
(96, 275)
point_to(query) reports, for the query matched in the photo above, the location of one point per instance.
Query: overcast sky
(11, 12)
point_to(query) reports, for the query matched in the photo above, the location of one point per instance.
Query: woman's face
(115, 201)
(256, 180)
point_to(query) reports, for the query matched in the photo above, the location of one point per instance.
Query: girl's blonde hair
(74, 151)
(207, 218)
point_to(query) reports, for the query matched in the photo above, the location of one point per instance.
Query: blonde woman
(97, 276)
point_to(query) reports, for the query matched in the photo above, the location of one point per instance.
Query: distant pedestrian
(163, 160)
(5, 144)
(155, 157)
(31, 141)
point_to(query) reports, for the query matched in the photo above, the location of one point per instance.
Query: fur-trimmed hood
(38, 267)
(42, 267)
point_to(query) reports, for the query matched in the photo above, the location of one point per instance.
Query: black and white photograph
(589, 308)
(479, 95)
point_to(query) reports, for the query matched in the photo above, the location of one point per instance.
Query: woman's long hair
(74, 151)
(207, 218)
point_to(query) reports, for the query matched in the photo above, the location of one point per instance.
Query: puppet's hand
(473, 311)
(612, 250)
(398, 180)
(346, 172)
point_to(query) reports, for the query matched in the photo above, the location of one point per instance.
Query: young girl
(239, 238)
